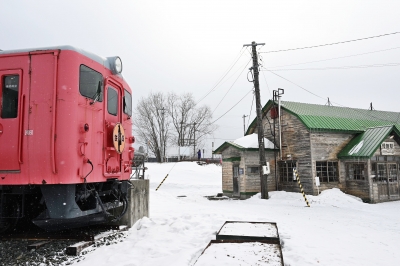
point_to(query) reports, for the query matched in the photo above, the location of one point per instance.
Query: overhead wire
(231, 86)
(231, 107)
(336, 68)
(335, 58)
(296, 85)
(251, 109)
(220, 80)
(328, 44)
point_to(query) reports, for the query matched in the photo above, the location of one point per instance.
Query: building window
(387, 148)
(355, 171)
(253, 170)
(128, 103)
(91, 83)
(384, 172)
(112, 101)
(286, 171)
(9, 101)
(378, 172)
(327, 171)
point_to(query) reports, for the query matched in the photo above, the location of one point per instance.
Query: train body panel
(56, 129)
(64, 120)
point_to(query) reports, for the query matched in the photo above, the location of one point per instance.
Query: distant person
(199, 155)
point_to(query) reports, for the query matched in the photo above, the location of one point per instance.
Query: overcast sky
(188, 46)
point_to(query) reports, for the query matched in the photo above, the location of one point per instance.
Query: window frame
(14, 100)
(356, 171)
(286, 171)
(109, 89)
(85, 93)
(251, 168)
(127, 111)
(324, 173)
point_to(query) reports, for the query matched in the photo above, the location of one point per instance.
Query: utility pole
(261, 146)
(244, 124)
(194, 139)
(162, 153)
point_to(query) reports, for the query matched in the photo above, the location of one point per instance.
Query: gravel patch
(15, 253)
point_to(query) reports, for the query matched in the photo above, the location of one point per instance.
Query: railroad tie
(162, 182)
(301, 187)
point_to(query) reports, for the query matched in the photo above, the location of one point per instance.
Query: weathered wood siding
(396, 149)
(251, 182)
(324, 147)
(295, 146)
(358, 188)
(227, 169)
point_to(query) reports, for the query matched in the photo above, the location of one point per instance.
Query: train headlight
(116, 64)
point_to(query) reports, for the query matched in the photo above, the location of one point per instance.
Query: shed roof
(365, 144)
(332, 118)
(246, 143)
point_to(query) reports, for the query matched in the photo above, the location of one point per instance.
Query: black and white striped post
(162, 182)
(301, 187)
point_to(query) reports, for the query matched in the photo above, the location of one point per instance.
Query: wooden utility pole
(261, 146)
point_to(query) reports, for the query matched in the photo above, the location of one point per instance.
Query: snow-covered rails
(65, 137)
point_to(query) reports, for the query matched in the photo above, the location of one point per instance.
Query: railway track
(61, 248)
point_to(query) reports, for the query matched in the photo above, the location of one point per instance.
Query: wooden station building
(355, 150)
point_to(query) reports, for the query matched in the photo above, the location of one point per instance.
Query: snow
(338, 229)
(249, 229)
(251, 141)
(251, 254)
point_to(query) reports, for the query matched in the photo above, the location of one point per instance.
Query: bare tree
(152, 123)
(190, 122)
(180, 108)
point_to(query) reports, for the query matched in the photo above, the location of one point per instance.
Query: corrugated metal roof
(365, 144)
(226, 144)
(340, 118)
(332, 118)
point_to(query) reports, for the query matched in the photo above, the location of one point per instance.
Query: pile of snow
(251, 141)
(337, 229)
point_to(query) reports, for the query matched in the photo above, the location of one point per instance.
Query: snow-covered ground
(337, 229)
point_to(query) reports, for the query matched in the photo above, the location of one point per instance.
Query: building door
(393, 181)
(236, 192)
(382, 181)
(10, 120)
(114, 132)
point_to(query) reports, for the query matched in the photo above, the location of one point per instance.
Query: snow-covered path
(338, 229)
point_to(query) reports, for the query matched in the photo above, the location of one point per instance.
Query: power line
(231, 87)
(347, 56)
(296, 85)
(327, 44)
(231, 107)
(240, 55)
(333, 68)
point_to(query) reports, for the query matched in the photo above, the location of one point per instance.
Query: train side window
(128, 103)
(112, 101)
(9, 101)
(90, 83)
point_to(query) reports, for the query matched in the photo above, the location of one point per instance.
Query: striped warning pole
(301, 187)
(162, 182)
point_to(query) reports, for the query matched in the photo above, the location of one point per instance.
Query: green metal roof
(226, 144)
(365, 144)
(332, 118)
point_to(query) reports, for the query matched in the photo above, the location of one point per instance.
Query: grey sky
(187, 46)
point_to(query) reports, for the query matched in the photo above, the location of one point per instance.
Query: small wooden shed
(240, 166)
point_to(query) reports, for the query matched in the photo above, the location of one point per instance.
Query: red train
(65, 138)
